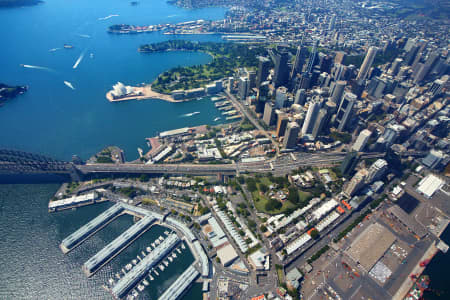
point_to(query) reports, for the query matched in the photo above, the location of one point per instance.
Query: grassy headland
(226, 58)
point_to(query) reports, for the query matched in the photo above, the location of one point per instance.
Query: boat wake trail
(69, 84)
(87, 36)
(37, 67)
(190, 114)
(54, 49)
(107, 17)
(78, 61)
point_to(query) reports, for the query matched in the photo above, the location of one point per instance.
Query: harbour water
(55, 119)
(33, 266)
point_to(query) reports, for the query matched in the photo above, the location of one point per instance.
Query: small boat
(128, 267)
(151, 277)
(140, 287)
(161, 267)
(157, 242)
(138, 257)
(145, 282)
(123, 271)
(149, 249)
(156, 272)
(153, 245)
(111, 281)
(174, 255)
(134, 293)
(161, 238)
(143, 253)
(170, 259)
(178, 249)
(216, 119)
(183, 246)
(67, 46)
(165, 262)
(117, 276)
(166, 232)
(134, 261)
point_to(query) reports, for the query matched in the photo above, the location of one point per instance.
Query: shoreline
(143, 93)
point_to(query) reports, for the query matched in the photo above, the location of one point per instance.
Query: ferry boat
(67, 46)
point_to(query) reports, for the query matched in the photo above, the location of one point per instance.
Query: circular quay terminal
(225, 149)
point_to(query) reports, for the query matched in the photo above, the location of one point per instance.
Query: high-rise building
(321, 121)
(311, 116)
(299, 61)
(367, 63)
(338, 91)
(282, 122)
(349, 163)
(243, 87)
(280, 97)
(362, 139)
(251, 80)
(356, 183)
(339, 57)
(332, 23)
(300, 97)
(376, 170)
(263, 70)
(281, 76)
(291, 136)
(345, 110)
(269, 114)
(263, 94)
(395, 67)
(312, 57)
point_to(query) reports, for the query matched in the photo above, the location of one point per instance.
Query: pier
(74, 201)
(129, 280)
(180, 285)
(79, 236)
(115, 247)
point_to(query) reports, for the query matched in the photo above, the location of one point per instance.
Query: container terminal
(127, 282)
(181, 284)
(117, 245)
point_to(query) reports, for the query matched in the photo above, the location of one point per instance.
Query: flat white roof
(429, 185)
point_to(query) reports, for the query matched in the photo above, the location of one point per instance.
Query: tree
(293, 195)
(314, 234)
(263, 228)
(263, 188)
(251, 185)
(143, 178)
(273, 204)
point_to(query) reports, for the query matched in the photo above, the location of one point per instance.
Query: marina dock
(116, 246)
(79, 236)
(181, 284)
(130, 279)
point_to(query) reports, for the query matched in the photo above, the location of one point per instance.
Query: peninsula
(8, 92)
(227, 57)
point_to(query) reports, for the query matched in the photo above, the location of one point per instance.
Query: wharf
(181, 284)
(233, 117)
(228, 107)
(94, 264)
(79, 236)
(130, 279)
(74, 201)
(222, 103)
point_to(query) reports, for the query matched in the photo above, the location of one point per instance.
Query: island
(8, 92)
(226, 58)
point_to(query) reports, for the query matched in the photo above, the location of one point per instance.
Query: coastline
(143, 93)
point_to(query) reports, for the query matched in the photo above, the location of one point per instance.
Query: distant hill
(14, 3)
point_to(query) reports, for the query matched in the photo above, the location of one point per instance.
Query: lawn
(260, 204)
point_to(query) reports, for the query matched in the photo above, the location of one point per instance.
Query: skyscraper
(263, 70)
(345, 110)
(338, 91)
(362, 139)
(281, 76)
(356, 183)
(300, 97)
(281, 124)
(367, 63)
(312, 57)
(321, 120)
(290, 138)
(269, 114)
(243, 87)
(280, 97)
(376, 170)
(311, 117)
(263, 94)
(332, 23)
(299, 61)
